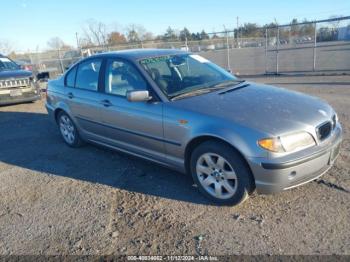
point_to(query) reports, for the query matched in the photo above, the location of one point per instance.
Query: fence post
(31, 59)
(228, 52)
(277, 48)
(266, 51)
(59, 57)
(315, 46)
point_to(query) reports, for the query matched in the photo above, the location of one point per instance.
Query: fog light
(292, 175)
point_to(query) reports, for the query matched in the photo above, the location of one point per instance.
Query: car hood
(15, 74)
(266, 108)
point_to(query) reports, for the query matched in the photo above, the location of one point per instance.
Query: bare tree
(136, 33)
(55, 43)
(132, 34)
(95, 33)
(148, 36)
(5, 47)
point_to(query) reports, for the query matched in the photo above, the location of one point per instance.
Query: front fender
(242, 139)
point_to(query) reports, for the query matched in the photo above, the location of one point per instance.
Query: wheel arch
(62, 107)
(57, 112)
(195, 142)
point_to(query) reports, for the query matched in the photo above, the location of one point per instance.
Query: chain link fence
(320, 46)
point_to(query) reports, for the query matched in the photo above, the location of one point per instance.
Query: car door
(82, 96)
(134, 126)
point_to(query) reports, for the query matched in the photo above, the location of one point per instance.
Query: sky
(29, 24)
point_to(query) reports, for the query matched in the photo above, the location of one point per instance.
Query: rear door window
(88, 74)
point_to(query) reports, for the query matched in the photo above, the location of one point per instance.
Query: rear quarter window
(70, 78)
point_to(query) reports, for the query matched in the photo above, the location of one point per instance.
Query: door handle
(70, 95)
(106, 103)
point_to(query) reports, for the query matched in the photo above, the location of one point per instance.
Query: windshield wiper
(195, 92)
(236, 87)
(207, 89)
(227, 83)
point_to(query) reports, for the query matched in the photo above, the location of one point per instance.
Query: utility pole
(315, 46)
(266, 43)
(59, 57)
(238, 45)
(76, 37)
(78, 44)
(277, 49)
(277, 46)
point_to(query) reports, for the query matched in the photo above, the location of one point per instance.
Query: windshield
(177, 75)
(7, 64)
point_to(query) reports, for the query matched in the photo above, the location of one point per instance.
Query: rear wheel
(221, 173)
(68, 130)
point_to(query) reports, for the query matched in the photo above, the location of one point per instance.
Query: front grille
(14, 83)
(324, 130)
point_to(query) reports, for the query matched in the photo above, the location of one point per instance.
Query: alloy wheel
(67, 129)
(216, 175)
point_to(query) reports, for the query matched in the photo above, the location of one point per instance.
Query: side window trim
(76, 72)
(101, 77)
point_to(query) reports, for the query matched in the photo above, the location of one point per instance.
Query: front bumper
(275, 175)
(28, 95)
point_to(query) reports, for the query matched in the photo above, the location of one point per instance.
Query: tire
(68, 130)
(221, 173)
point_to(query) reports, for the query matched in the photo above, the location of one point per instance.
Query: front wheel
(221, 173)
(68, 130)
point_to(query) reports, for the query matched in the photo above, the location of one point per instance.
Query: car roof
(137, 54)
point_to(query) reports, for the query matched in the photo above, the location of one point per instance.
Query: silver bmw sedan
(180, 110)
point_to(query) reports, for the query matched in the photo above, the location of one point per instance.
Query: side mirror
(138, 96)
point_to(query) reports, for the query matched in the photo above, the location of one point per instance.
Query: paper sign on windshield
(199, 58)
(4, 59)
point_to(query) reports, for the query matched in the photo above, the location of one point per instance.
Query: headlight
(288, 143)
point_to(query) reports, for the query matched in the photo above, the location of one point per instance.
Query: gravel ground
(58, 200)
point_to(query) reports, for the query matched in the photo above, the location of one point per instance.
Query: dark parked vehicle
(181, 110)
(16, 85)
